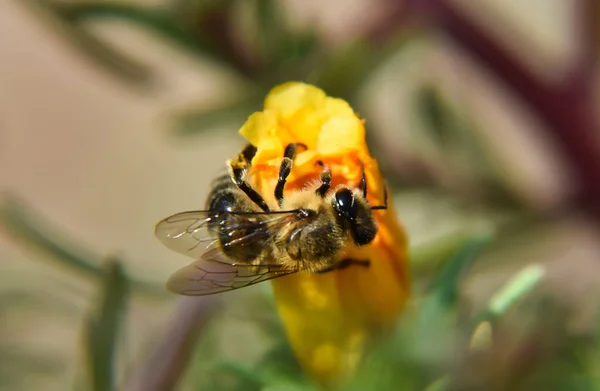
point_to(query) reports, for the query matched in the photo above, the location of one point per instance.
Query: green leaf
(299, 47)
(461, 140)
(279, 366)
(427, 257)
(199, 41)
(426, 339)
(516, 288)
(271, 29)
(118, 64)
(150, 19)
(440, 384)
(194, 122)
(387, 368)
(288, 386)
(278, 369)
(341, 73)
(251, 379)
(438, 116)
(104, 325)
(445, 285)
(19, 365)
(36, 234)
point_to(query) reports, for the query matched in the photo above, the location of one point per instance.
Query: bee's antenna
(385, 201)
(363, 179)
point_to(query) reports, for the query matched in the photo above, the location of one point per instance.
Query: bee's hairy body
(225, 196)
(239, 240)
(313, 240)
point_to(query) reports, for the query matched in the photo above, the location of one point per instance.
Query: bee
(238, 240)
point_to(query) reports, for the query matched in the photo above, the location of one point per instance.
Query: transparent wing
(213, 274)
(187, 232)
(191, 234)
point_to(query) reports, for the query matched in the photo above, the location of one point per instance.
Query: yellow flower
(329, 317)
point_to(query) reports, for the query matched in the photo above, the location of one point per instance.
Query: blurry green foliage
(190, 121)
(419, 355)
(516, 288)
(438, 345)
(436, 113)
(428, 336)
(17, 364)
(253, 40)
(432, 347)
(65, 19)
(103, 328)
(459, 140)
(20, 223)
(207, 29)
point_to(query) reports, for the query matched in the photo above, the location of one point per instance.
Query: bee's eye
(344, 204)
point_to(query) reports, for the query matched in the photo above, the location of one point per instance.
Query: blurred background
(116, 114)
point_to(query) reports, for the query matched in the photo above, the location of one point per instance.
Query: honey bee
(238, 240)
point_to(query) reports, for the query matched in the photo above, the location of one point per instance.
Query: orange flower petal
(329, 317)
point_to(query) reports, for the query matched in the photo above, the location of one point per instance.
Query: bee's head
(354, 212)
(344, 203)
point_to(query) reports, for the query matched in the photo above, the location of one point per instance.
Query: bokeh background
(116, 114)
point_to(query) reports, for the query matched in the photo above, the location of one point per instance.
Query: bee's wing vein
(213, 271)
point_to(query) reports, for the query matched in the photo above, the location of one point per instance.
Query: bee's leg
(244, 159)
(285, 169)
(346, 263)
(248, 153)
(238, 168)
(325, 182)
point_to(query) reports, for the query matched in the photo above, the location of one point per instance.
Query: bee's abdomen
(223, 195)
(231, 229)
